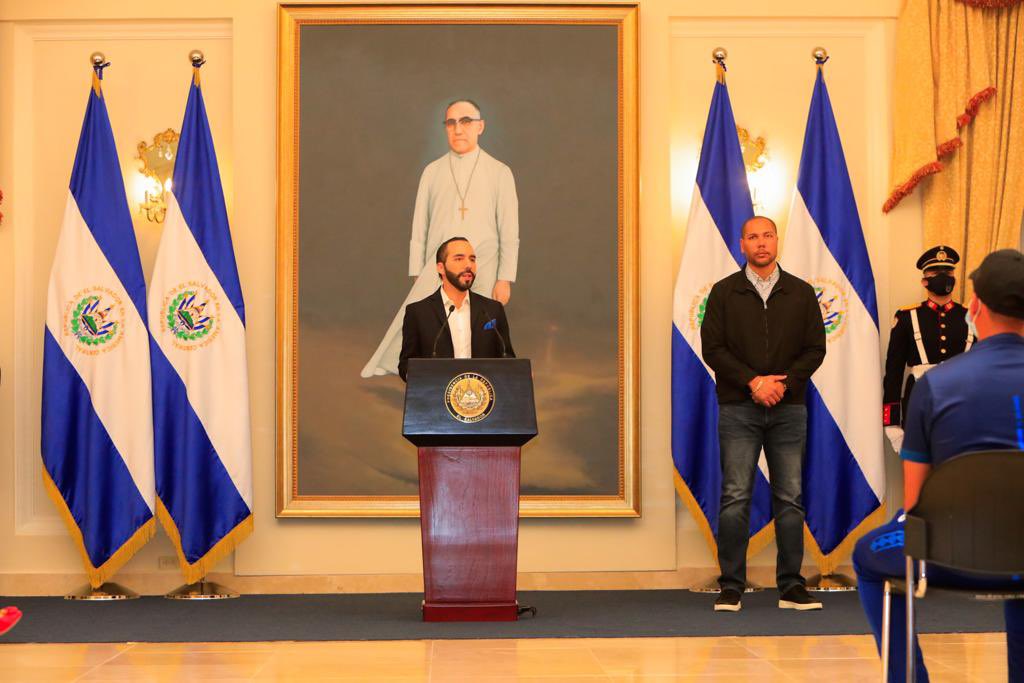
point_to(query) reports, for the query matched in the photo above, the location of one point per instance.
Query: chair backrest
(970, 514)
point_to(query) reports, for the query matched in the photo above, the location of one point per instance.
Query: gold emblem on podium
(469, 397)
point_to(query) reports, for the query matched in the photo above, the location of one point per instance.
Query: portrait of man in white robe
(466, 192)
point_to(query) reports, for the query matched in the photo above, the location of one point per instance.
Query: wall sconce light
(765, 176)
(157, 167)
(755, 150)
(755, 154)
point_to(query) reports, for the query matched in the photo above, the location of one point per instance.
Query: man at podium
(454, 322)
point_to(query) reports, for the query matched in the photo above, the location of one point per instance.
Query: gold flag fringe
(758, 541)
(98, 575)
(827, 564)
(694, 507)
(96, 86)
(195, 571)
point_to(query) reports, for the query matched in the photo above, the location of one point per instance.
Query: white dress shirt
(458, 322)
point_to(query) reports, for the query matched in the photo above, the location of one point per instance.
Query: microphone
(451, 309)
(492, 324)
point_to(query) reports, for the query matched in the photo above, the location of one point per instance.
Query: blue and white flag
(721, 205)
(97, 422)
(200, 382)
(844, 473)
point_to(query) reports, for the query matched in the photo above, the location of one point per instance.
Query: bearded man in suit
(476, 325)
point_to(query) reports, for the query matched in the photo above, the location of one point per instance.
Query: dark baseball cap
(999, 282)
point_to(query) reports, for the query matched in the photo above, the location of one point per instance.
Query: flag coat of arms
(201, 393)
(97, 422)
(844, 470)
(721, 205)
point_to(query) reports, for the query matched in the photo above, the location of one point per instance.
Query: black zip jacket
(742, 337)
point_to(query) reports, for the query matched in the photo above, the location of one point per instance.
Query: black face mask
(940, 284)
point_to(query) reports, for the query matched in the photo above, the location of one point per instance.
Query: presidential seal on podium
(469, 397)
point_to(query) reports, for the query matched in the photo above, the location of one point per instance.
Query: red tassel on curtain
(991, 4)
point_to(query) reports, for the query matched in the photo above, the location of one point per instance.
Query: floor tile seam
(739, 641)
(273, 655)
(796, 677)
(786, 675)
(820, 658)
(106, 661)
(607, 673)
(503, 678)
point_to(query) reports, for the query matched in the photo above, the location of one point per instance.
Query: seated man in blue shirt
(951, 412)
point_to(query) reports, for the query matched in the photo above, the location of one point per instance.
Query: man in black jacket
(476, 326)
(764, 336)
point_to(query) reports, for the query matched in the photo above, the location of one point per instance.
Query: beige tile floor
(821, 659)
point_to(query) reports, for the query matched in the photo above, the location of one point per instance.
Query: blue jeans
(743, 430)
(878, 556)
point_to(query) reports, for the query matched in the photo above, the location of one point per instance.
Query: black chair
(969, 517)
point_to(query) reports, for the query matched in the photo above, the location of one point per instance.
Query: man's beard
(455, 279)
(761, 261)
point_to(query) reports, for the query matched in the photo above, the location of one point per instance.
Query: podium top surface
(469, 402)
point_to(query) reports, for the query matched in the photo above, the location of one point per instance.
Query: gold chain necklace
(462, 195)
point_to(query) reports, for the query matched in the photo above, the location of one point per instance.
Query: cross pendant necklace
(462, 195)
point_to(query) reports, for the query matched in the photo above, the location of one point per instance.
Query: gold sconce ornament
(754, 150)
(759, 179)
(157, 168)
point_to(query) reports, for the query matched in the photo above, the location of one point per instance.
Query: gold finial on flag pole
(197, 59)
(718, 56)
(99, 62)
(820, 56)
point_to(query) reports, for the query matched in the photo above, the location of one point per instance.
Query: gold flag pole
(828, 582)
(108, 590)
(718, 57)
(201, 589)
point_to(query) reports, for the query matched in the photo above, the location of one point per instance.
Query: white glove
(895, 436)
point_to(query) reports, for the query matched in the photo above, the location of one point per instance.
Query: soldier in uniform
(923, 335)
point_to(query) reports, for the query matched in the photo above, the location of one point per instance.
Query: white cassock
(491, 224)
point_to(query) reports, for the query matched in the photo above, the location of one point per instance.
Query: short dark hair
(743, 230)
(442, 251)
(479, 111)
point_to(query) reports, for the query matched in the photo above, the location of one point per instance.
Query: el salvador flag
(97, 422)
(720, 206)
(200, 384)
(844, 474)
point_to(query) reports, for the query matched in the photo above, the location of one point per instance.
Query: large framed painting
(401, 126)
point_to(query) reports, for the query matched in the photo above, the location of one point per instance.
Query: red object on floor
(9, 616)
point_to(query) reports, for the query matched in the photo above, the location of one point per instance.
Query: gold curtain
(959, 122)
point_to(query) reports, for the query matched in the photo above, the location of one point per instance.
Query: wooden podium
(469, 418)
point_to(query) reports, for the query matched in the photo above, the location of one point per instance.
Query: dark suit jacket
(424, 319)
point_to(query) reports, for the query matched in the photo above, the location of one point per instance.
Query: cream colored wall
(44, 75)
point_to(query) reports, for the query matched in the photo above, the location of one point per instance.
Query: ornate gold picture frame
(362, 90)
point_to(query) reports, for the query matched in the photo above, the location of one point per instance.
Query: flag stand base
(201, 590)
(108, 591)
(830, 583)
(711, 586)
